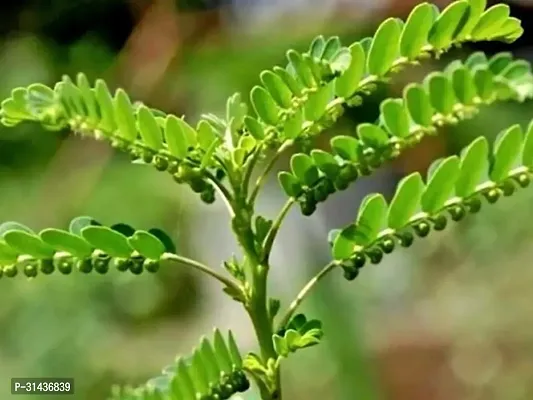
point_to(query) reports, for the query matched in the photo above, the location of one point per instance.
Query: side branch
(304, 292)
(273, 232)
(201, 267)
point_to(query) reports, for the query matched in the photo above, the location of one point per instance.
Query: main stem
(257, 306)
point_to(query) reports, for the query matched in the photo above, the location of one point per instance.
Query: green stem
(273, 232)
(304, 292)
(203, 268)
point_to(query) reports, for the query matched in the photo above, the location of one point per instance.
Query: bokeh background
(450, 319)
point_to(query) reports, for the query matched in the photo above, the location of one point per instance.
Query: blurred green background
(450, 319)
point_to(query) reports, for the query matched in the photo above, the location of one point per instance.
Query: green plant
(292, 106)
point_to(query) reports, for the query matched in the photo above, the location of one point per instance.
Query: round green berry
(47, 266)
(151, 265)
(422, 229)
(208, 195)
(474, 205)
(523, 180)
(320, 192)
(101, 263)
(64, 264)
(122, 264)
(457, 212)
(30, 269)
(350, 273)
(507, 188)
(439, 222)
(136, 265)
(375, 255)
(359, 259)
(197, 184)
(11, 270)
(84, 265)
(147, 156)
(160, 163)
(406, 239)
(387, 245)
(492, 195)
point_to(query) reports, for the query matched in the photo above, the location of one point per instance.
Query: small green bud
(147, 156)
(492, 195)
(523, 180)
(387, 245)
(63, 263)
(173, 167)
(439, 222)
(507, 188)
(457, 213)
(151, 265)
(136, 265)
(406, 239)
(30, 269)
(160, 163)
(197, 184)
(84, 265)
(474, 205)
(320, 192)
(375, 255)
(307, 206)
(100, 262)
(350, 274)
(208, 195)
(422, 229)
(122, 264)
(47, 266)
(11, 270)
(359, 259)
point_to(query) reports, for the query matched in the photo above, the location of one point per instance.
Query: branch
(201, 267)
(264, 175)
(272, 233)
(305, 291)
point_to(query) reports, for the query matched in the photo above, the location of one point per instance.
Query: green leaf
(316, 49)
(325, 163)
(527, 150)
(406, 201)
(476, 9)
(441, 93)
(449, 22)
(370, 219)
(510, 30)
(279, 91)
(147, 245)
(280, 345)
(477, 58)
(27, 243)
(416, 31)
(304, 169)
(464, 86)
(264, 105)
(491, 20)
(344, 243)
(209, 360)
(294, 84)
(71, 95)
(187, 385)
(418, 105)
(507, 147)
(293, 124)
(198, 374)
(315, 107)
(347, 84)
(7, 254)
(78, 223)
(440, 185)
(13, 226)
(498, 62)
(516, 70)
(124, 229)
(235, 354)
(333, 45)
(474, 165)
(236, 109)
(221, 351)
(372, 135)
(346, 147)
(395, 117)
(124, 116)
(149, 128)
(65, 241)
(384, 48)
(290, 184)
(88, 97)
(301, 69)
(164, 238)
(484, 83)
(105, 103)
(109, 241)
(340, 60)
(175, 137)
(254, 127)
(207, 136)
